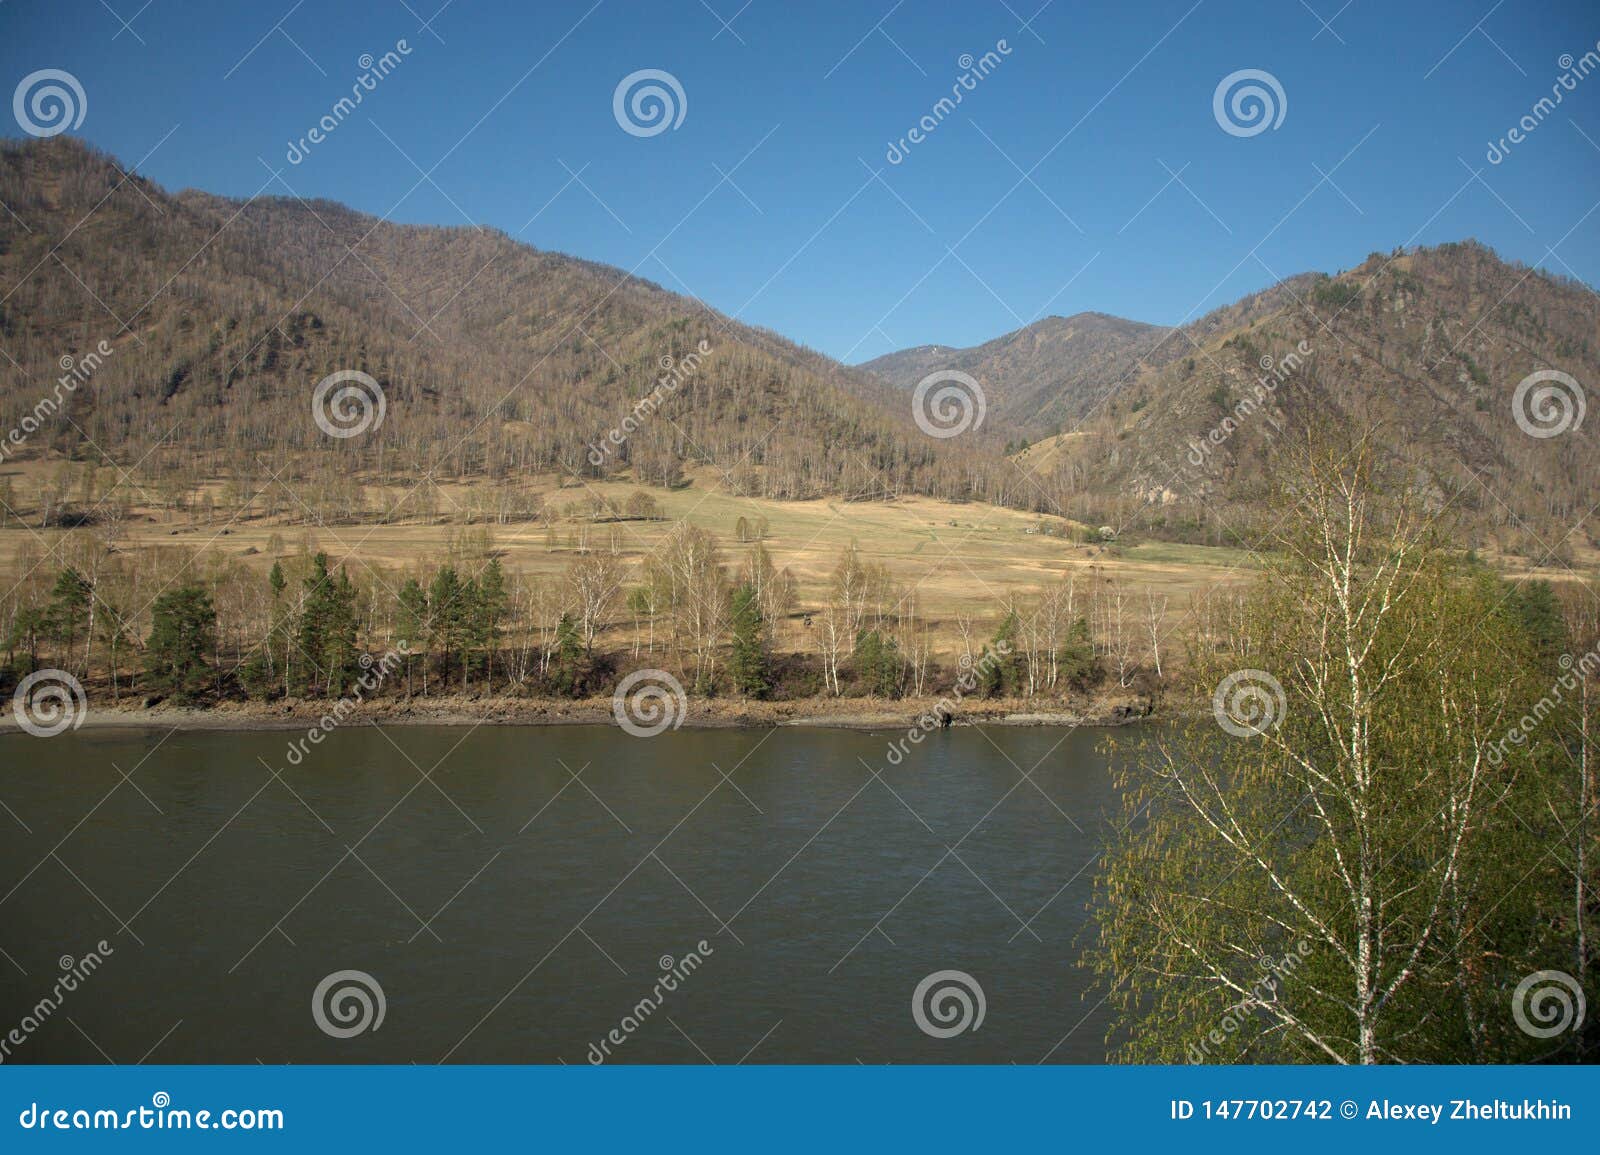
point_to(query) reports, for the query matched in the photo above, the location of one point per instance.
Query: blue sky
(763, 201)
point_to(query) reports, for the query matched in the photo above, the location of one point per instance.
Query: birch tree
(1329, 864)
(594, 583)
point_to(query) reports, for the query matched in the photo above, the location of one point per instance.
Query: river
(516, 893)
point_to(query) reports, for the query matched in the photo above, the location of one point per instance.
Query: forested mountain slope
(1432, 347)
(495, 358)
(500, 361)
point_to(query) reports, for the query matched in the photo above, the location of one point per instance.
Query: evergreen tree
(469, 620)
(340, 653)
(69, 609)
(569, 664)
(328, 631)
(1079, 669)
(1002, 669)
(445, 616)
(488, 607)
(1540, 614)
(28, 627)
(182, 632)
(878, 664)
(748, 664)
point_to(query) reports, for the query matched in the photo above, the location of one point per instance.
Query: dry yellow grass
(960, 558)
(1040, 457)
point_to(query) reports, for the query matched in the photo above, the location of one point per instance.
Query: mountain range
(502, 361)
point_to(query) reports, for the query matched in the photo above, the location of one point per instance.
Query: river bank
(713, 713)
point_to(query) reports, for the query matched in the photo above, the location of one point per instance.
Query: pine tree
(1540, 613)
(878, 664)
(488, 607)
(69, 608)
(328, 630)
(183, 628)
(1002, 670)
(340, 652)
(1078, 666)
(445, 606)
(569, 664)
(28, 626)
(749, 663)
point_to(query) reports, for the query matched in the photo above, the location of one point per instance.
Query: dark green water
(512, 914)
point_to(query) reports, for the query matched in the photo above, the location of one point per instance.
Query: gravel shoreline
(840, 713)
